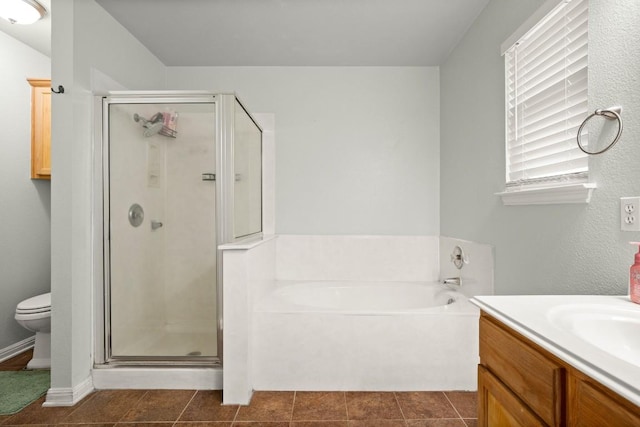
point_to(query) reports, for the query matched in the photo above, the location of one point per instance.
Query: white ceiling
(297, 32)
(284, 32)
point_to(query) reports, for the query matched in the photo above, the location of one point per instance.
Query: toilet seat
(27, 317)
(35, 305)
(33, 311)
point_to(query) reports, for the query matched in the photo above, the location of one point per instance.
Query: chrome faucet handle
(458, 257)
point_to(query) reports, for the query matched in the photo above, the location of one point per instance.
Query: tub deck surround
(364, 298)
(248, 243)
(301, 343)
(248, 273)
(368, 258)
(532, 317)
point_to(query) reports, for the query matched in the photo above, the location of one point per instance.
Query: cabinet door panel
(592, 407)
(40, 128)
(498, 406)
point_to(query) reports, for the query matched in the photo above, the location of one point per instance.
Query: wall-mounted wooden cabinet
(40, 128)
(522, 384)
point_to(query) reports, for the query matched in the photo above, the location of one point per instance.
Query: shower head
(152, 126)
(157, 117)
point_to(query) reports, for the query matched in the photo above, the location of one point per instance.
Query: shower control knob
(136, 215)
(458, 258)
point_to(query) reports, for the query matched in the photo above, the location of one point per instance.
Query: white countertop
(530, 316)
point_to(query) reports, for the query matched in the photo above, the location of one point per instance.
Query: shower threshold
(158, 362)
(183, 377)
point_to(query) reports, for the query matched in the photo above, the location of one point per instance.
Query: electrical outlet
(630, 213)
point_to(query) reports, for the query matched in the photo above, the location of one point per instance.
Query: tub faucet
(452, 281)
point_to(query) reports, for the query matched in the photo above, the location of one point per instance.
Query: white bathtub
(364, 336)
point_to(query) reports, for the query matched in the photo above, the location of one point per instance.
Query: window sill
(573, 193)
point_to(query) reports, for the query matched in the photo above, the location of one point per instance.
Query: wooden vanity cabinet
(40, 128)
(521, 384)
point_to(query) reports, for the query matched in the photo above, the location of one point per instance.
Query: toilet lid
(35, 304)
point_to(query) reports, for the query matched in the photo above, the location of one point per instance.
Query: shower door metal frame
(103, 356)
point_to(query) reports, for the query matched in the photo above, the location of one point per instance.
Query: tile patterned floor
(203, 408)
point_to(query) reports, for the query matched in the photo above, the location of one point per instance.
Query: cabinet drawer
(534, 378)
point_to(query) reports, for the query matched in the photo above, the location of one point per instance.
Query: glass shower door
(161, 251)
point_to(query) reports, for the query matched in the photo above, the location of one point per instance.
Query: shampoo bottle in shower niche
(634, 277)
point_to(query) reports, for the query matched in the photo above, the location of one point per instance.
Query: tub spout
(452, 281)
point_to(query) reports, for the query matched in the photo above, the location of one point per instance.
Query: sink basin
(615, 330)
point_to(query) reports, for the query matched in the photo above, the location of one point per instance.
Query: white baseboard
(17, 348)
(69, 396)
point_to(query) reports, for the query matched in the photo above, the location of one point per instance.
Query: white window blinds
(546, 99)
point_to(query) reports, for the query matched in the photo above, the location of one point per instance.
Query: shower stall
(181, 174)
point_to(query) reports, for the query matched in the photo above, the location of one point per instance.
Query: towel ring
(612, 113)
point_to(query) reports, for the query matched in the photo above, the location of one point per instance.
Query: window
(546, 101)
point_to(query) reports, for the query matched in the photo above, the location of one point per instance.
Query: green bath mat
(19, 388)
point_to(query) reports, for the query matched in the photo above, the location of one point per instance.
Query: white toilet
(35, 315)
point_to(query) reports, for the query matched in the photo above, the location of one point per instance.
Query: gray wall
(555, 249)
(25, 244)
(357, 148)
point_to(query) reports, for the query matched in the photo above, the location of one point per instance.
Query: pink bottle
(634, 277)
